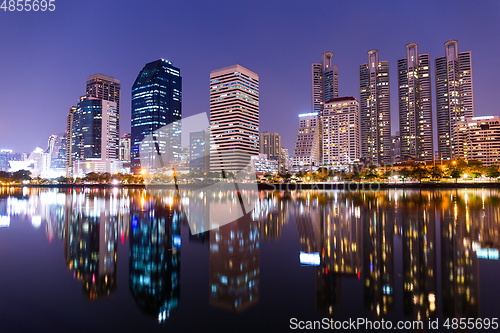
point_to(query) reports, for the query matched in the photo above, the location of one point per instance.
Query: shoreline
(348, 186)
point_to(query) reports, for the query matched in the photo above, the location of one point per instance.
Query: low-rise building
(478, 138)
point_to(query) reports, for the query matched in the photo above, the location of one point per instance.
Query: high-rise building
(69, 141)
(415, 106)
(270, 144)
(106, 88)
(375, 110)
(234, 118)
(325, 82)
(94, 137)
(57, 152)
(306, 151)
(340, 131)
(124, 151)
(156, 103)
(454, 95)
(199, 152)
(478, 139)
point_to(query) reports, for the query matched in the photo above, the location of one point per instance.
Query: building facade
(478, 139)
(124, 152)
(306, 151)
(375, 110)
(234, 118)
(106, 88)
(270, 144)
(94, 136)
(415, 105)
(325, 82)
(199, 152)
(156, 103)
(341, 131)
(454, 96)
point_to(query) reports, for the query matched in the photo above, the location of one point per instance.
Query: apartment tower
(375, 115)
(454, 96)
(415, 106)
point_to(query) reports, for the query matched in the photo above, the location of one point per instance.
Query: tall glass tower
(156, 102)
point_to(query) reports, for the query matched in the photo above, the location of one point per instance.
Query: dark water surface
(122, 260)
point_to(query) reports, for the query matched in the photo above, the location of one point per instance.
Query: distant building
(375, 110)
(306, 151)
(7, 156)
(156, 103)
(57, 153)
(341, 131)
(454, 95)
(262, 164)
(478, 139)
(286, 162)
(396, 148)
(415, 105)
(124, 150)
(69, 141)
(199, 151)
(270, 144)
(234, 118)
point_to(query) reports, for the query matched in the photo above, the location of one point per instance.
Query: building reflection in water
(345, 235)
(235, 265)
(155, 243)
(417, 215)
(92, 222)
(460, 268)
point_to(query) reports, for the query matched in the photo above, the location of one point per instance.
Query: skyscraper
(234, 118)
(375, 110)
(156, 102)
(106, 88)
(341, 131)
(94, 136)
(325, 82)
(69, 141)
(454, 95)
(415, 107)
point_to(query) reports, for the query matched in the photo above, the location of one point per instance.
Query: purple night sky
(45, 57)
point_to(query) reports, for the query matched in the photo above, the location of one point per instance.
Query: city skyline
(284, 91)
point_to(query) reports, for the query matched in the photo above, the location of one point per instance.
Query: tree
(436, 172)
(21, 175)
(418, 172)
(4, 176)
(456, 173)
(286, 176)
(404, 173)
(492, 172)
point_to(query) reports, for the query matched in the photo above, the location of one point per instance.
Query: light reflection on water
(415, 250)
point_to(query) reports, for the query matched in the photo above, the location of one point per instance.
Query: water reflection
(155, 243)
(436, 238)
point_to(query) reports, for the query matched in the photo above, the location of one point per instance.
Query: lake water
(124, 260)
